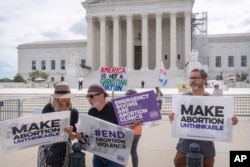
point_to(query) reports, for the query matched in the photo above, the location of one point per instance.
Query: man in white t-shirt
(80, 81)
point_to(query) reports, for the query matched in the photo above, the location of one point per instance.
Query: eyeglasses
(92, 96)
(194, 78)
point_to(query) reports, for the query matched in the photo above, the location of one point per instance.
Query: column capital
(115, 16)
(102, 18)
(144, 15)
(89, 18)
(158, 14)
(187, 13)
(129, 16)
(173, 13)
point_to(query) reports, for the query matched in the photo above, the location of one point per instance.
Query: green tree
(19, 78)
(5, 80)
(241, 77)
(38, 74)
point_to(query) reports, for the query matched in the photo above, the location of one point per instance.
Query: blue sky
(24, 21)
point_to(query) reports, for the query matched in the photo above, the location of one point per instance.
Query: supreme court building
(138, 34)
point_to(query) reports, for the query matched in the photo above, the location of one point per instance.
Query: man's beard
(195, 87)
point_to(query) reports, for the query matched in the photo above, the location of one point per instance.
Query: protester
(142, 83)
(57, 154)
(102, 109)
(137, 134)
(217, 91)
(62, 78)
(197, 81)
(158, 95)
(80, 81)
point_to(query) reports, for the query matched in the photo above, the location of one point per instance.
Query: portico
(138, 34)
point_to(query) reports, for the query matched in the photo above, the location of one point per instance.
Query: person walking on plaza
(80, 81)
(142, 83)
(57, 154)
(197, 81)
(102, 109)
(158, 95)
(137, 127)
(62, 78)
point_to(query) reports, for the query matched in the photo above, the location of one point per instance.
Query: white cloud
(28, 21)
(225, 16)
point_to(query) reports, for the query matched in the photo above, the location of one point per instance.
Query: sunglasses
(92, 96)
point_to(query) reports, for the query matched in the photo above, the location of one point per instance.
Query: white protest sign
(114, 78)
(105, 139)
(202, 117)
(25, 132)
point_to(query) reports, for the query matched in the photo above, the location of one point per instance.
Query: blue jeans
(133, 152)
(103, 162)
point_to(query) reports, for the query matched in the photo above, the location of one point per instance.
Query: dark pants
(80, 86)
(180, 160)
(103, 162)
(159, 103)
(133, 152)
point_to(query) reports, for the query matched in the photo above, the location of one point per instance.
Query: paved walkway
(156, 147)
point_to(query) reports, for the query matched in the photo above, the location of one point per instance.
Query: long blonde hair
(56, 104)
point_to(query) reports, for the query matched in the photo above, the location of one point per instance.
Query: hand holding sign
(171, 117)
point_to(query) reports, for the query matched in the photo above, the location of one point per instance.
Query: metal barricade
(242, 105)
(34, 105)
(10, 109)
(15, 108)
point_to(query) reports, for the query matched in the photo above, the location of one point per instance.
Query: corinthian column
(130, 60)
(116, 41)
(173, 40)
(102, 41)
(158, 39)
(90, 43)
(187, 36)
(144, 40)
